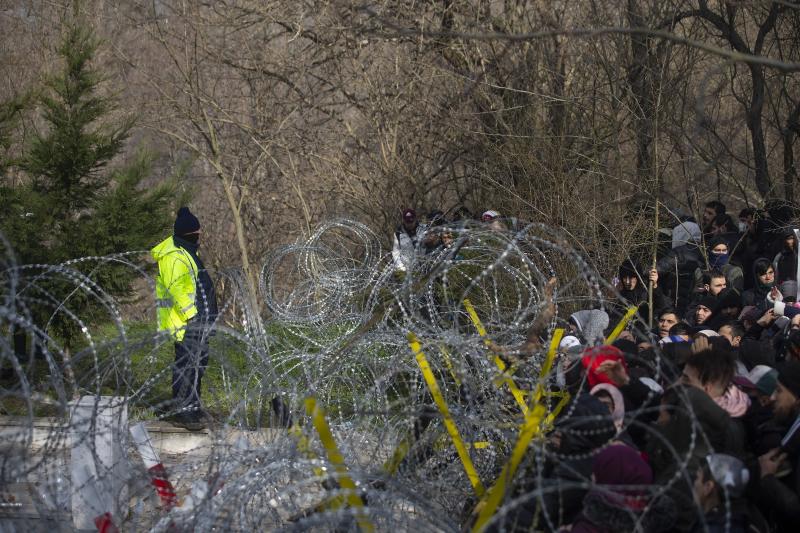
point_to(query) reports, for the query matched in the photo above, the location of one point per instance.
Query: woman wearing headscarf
(620, 498)
(611, 397)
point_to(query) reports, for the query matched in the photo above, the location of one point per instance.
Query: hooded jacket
(676, 272)
(183, 287)
(591, 324)
(618, 414)
(404, 246)
(757, 296)
(620, 501)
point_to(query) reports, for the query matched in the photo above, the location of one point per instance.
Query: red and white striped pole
(105, 524)
(158, 474)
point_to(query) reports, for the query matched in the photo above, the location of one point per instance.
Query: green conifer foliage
(77, 199)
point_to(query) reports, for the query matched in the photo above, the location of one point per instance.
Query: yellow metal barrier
(336, 459)
(519, 396)
(530, 429)
(449, 423)
(621, 325)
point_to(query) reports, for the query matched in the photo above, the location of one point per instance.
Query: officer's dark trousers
(191, 359)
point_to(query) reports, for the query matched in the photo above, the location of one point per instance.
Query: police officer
(187, 307)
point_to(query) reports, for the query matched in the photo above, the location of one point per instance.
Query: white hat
(491, 214)
(569, 342)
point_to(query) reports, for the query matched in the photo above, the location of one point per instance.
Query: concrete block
(98, 429)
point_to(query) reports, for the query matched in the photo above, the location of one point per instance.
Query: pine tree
(72, 204)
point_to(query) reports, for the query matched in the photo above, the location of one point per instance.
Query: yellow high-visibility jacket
(176, 286)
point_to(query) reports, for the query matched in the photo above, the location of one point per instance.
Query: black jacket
(205, 297)
(640, 297)
(780, 497)
(696, 427)
(676, 273)
(720, 521)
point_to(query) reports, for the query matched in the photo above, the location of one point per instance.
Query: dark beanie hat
(626, 346)
(729, 297)
(708, 301)
(186, 222)
(716, 241)
(789, 376)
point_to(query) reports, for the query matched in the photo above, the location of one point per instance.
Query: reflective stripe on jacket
(176, 286)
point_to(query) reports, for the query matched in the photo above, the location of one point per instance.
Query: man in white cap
(492, 218)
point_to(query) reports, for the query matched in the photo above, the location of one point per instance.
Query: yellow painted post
(519, 396)
(448, 361)
(391, 466)
(449, 423)
(494, 496)
(547, 366)
(548, 422)
(531, 427)
(336, 459)
(621, 325)
(404, 446)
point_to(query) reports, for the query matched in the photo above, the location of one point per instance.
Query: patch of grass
(240, 379)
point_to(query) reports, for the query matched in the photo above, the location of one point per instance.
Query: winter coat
(591, 324)
(620, 499)
(780, 497)
(184, 290)
(602, 514)
(718, 521)
(640, 297)
(752, 352)
(641, 408)
(404, 246)
(588, 428)
(757, 296)
(734, 277)
(681, 262)
(697, 427)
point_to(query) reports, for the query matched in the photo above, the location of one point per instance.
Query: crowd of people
(688, 426)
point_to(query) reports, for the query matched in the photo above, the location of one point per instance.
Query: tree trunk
(790, 133)
(640, 83)
(754, 124)
(236, 214)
